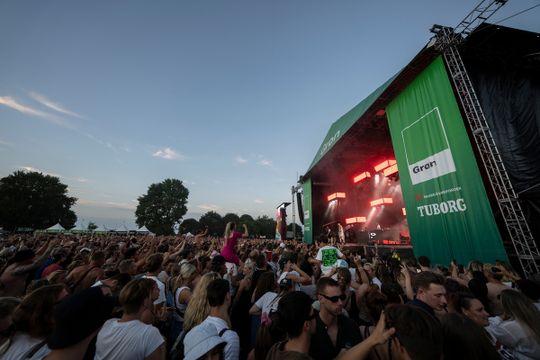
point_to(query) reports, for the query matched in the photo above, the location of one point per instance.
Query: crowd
(235, 297)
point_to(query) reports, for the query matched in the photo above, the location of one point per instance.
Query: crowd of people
(235, 297)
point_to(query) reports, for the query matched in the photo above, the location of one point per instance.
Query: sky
(232, 97)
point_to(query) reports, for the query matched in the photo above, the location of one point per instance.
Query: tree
(266, 227)
(34, 200)
(231, 217)
(214, 222)
(92, 226)
(250, 222)
(162, 207)
(190, 225)
(298, 229)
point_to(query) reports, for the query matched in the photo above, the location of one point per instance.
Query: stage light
(355, 220)
(361, 177)
(377, 179)
(390, 170)
(384, 165)
(381, 201)
(404, 211)
(380, 113)
(338, 195)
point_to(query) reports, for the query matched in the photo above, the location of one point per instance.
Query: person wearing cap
(128, 337)
(219, 299)
(13, 278)
(203, 342)
(77, 320)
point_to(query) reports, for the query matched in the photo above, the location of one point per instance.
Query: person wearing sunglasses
(335, 331)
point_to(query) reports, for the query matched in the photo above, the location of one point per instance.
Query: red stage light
(380, 113)
(381, 201)
(361, 177)
(338, 195)
(384, 165)
(390, 170)
(355, 220)
(404, 211)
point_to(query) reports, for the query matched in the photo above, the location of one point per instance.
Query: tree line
(37, 201)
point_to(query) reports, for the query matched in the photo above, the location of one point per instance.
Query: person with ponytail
(231, 237)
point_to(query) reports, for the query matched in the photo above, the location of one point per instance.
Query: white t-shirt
(267, 302)
(130, 340)
(284, 274)
(328, 256)
(21, 344)
(161, 286)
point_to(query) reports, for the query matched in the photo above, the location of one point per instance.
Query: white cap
(200, 340)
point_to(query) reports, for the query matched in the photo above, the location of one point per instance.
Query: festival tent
(55, 228)
(144, 230)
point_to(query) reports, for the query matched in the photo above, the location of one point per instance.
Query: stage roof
(339, 136)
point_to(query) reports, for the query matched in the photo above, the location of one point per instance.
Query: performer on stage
(231, 237)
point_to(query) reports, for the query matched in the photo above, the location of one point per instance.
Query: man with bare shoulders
(84, 276)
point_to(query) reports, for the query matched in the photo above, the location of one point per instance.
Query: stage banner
(448, 211)
(308, 216)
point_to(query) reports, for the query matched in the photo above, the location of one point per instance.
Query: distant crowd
(235, 297)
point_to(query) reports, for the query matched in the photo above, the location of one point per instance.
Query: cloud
(107, 204)
(28, 110)
(265, 162)
(258, 201)
(169, 154)
(53, 105)
(5, 143)
(209, 207)
(240, 160)
(33, 169)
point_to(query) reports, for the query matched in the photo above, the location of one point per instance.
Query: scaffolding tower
(447, 41)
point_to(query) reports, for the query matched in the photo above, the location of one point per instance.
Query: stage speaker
(300, 207)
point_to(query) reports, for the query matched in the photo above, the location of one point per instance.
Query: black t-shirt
(321, 345)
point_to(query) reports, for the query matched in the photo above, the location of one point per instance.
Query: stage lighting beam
(361, 177)
(338, 195)
(390, 170)
(381, 201)
(384, 165)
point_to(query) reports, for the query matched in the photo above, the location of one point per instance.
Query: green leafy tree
(214, 222)
(190, 225)
(162, 207)
(231, 217)
(250, 222)
(34, 200)
(266, 227)
(298, 229)
(92, 226)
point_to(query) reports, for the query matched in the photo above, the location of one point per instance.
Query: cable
(516, 14)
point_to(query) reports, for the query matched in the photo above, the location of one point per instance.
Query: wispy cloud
(53, 105)
(5, 143)
(209, 207)
(265, 162)
(28, 110)
(258, 201)
(169, 154)
(240, 160)
(107, 204)
(34, 169)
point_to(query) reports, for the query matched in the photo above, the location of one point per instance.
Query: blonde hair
(198, 307)
(187, 270)
(228, 229)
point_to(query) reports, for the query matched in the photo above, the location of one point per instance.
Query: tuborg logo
(427, 149)
(445, 207)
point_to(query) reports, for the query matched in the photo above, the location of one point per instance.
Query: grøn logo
(426, 148)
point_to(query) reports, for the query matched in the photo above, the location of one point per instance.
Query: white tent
(144, 230)
(55, 228)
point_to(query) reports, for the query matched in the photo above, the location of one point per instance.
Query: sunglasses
(335, 299)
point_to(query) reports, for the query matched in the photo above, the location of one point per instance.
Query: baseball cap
(200, 340)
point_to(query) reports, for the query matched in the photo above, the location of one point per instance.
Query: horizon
(234, 99)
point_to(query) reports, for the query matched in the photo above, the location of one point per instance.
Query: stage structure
(444, 156)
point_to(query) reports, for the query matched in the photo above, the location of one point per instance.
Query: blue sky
(232, 97)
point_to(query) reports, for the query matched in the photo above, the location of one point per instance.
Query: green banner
(308, 214)
(448, 211)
